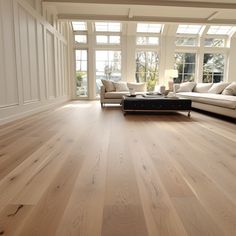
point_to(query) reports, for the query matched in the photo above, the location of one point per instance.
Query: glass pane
(102, 39)
(114, 39)
(189, 68)
(190, 57)
(81, 73)
(183, 41)
(107, 27)
(185, 64)
(78, 55)
(213, 65)
(189, 29)
(108, 66)
(147, 40)
(80, 38)
(213, 42)
(148, 28)
(147, 68)
(79, 26)
(207, 78)
(220, 30)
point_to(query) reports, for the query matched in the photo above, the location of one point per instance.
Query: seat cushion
(186, 87)
(212, 99)
(116, 95)
(217, 88)
(202, 87)
(109, 85)
(121, 86)
(230, 89)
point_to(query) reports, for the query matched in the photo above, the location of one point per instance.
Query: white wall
(232, 60)
(33, 60)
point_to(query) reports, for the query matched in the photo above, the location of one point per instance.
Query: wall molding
(33, 111)
(39, 74)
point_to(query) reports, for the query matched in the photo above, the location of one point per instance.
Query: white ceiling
(216, 12)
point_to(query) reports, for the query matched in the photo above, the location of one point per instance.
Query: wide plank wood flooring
(86, 171)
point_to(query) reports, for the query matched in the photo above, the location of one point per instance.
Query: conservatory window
(107, 27)
(189, 29)
(186, 41)
(80, 39)
(107, 39)
(147, 68)
(79, 26)
(148, 28)
(214, 42)
(213, 67)
(220, 30)
(185, 64)
(146, 40)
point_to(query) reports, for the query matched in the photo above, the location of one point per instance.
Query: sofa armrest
(176, 87)
(102, 93)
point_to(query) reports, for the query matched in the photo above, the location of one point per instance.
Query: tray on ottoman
(155, 103)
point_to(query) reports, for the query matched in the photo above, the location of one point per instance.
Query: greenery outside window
(81, 59)
(108, 66)
(186, 41)
(213, 67)
(146, 40)
(214, 42)
(185, 64)
(147, 68)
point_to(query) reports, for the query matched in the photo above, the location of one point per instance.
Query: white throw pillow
(217, 88)
(186, 87)
(230, 89)
(202, 87)
(121, 86)
(137, 87)
(109, 85)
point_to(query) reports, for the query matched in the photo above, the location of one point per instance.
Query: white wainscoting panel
(33, 60)
(8, 83)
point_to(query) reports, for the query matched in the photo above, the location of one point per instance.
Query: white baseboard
(32, 111)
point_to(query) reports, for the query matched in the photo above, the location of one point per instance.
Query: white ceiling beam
(145, 18)
(213, 15)
(130, 14)
(196, 4)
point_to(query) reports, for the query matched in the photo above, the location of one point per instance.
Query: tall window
(108, 66)
(80, 32)
(81, 73)
(185, 64)
(213, 67)
(147, 67)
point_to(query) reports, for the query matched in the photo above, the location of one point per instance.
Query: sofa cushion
(202, 87)
(217, 88)
(121, 86)
(230, 89)
(109, 85)
(137, 87)
(186, 87)
(212, 99)
(115, 95)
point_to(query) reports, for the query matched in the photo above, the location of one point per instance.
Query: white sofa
(110, 95)
(207, 97)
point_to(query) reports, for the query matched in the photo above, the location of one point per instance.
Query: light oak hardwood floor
(86, 171)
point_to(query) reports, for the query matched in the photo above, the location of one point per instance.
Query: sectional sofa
(218, 98)
(112, 92)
